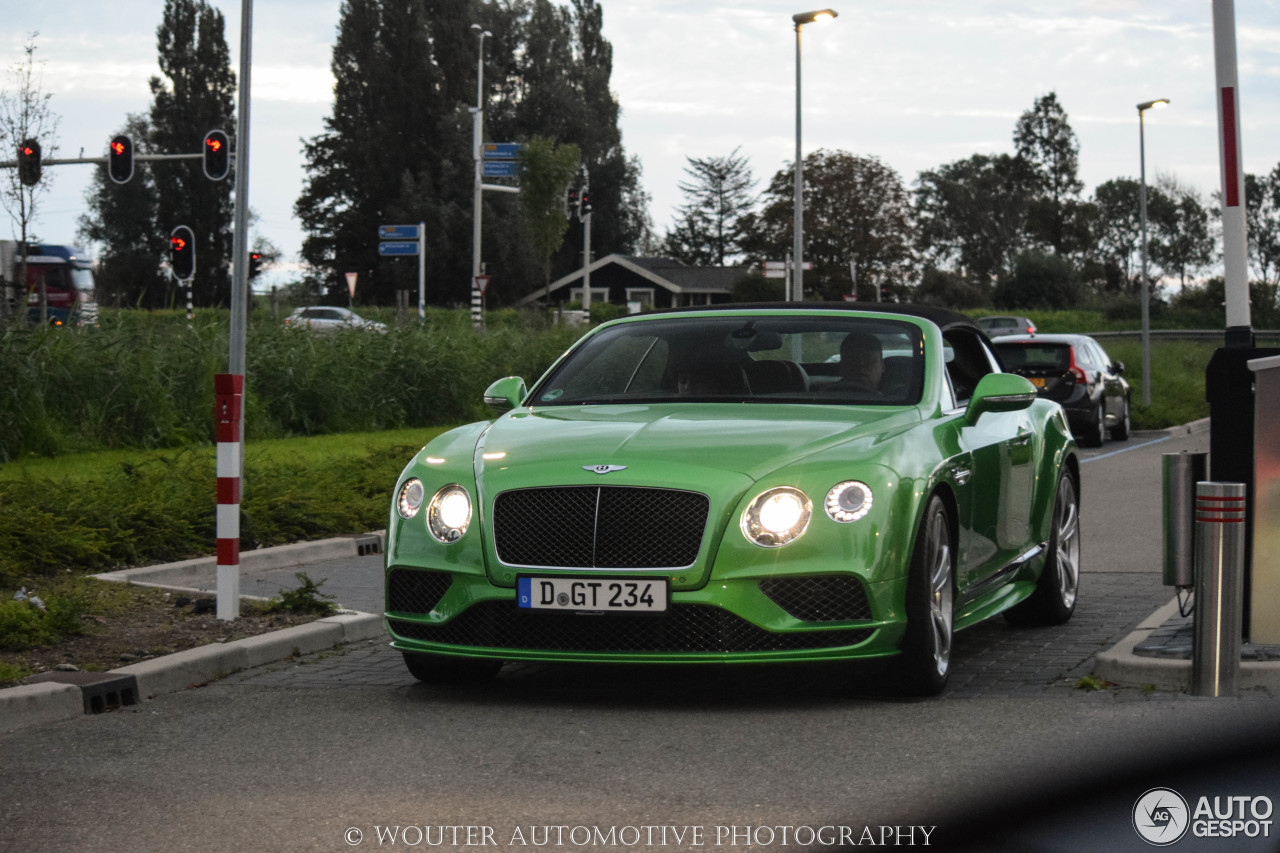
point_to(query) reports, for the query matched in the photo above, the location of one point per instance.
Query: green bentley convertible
(763, 483)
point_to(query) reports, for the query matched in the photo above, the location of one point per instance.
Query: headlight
(848, 501)
(409, 500)
(776, 517)
(449, 513)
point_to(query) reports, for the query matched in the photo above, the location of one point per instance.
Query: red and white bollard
(228, 391)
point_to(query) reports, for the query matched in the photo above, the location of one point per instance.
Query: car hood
(668, 445)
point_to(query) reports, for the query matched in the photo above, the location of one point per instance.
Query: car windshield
(787, 359)
(1023, 356)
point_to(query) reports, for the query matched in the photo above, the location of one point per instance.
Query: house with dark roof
(650, 282)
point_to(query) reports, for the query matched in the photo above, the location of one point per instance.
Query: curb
(46, 702)
(184, 574)
(1120, 665)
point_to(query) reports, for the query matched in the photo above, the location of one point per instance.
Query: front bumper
(830, 617)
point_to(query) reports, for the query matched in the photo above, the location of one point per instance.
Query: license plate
(630, 595)
(1037, 381)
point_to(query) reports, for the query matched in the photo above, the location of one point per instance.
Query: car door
(1001, 472)
(1110, 372)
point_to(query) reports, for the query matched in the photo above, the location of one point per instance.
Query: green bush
(23, 625)
(145, 379)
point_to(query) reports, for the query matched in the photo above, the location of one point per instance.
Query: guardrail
(1186, 334)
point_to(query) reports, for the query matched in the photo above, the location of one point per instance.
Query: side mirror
(1118, 367)
(505, 394)
(999, 392)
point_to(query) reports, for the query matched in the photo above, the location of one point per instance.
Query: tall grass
(145, 379)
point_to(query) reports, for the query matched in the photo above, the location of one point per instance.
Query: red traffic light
(217, 155)
(120, 159)
(182, 253)
(29, 162)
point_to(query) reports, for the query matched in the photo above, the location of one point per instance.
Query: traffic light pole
(229, 387)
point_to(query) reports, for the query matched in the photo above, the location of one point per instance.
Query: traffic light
(255, 264)
(217, 155)
(120, 159)
(584, 204)
(571, 204)
(182, 253)
(29, 162)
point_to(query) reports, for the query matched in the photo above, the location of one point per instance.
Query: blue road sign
(501, 150)
(500, 168)
(393, 247)
(397, 232)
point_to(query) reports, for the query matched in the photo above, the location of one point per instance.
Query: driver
(861, 363)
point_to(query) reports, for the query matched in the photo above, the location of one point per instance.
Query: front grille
(828, 598)
(683, 628)
(600, 527)
(413, 591)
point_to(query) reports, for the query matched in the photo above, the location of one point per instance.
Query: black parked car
(1076, 371)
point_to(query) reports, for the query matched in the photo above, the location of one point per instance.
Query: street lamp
(1146, 282)
(477, 137)
(797, 254)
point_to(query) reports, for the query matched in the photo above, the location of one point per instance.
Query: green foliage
(754, 287)
(546, 172)
(305, 599)
(1038, 280)
(23, 624)
(602, 312)
(856, 208)
(146, 379)
(714, 221)
(949, 290)
(196, 94)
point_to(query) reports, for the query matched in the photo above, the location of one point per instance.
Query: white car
(324, 318)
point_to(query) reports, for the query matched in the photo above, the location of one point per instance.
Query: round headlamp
(776, 517)
(449, 513)
(409, 501)
(848, 501)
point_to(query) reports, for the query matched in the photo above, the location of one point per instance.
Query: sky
(915, 83)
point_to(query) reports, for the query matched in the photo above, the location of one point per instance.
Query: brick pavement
(992, 659)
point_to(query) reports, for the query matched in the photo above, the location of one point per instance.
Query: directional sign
(501, 150)
(397, 232)
(500, 168)
(398, 247)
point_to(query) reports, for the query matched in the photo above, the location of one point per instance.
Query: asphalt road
(344, 746)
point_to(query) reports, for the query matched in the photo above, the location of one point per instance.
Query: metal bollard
(1219, 578)
(1181, 472)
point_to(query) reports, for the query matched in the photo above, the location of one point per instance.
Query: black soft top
(944, 318)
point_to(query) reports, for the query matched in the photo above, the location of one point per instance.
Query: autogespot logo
(1161, 817)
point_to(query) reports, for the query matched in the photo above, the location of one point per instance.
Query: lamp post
(797, 254)
(477, 135)
(1146, 281)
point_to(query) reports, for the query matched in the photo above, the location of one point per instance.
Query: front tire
(926, 647)
(1120, 432)
(1054, 599)
(441, 669)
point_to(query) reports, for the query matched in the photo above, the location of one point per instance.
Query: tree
(195, 95)
(25, 114)
(1119, 237)
(712, 223)
(552, 79)
(1039, 280)
(1047, 145)
(545, 173)
(974, 213)
(857, 210)
(1184, 243)
(122, 221)
(1262, 218)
